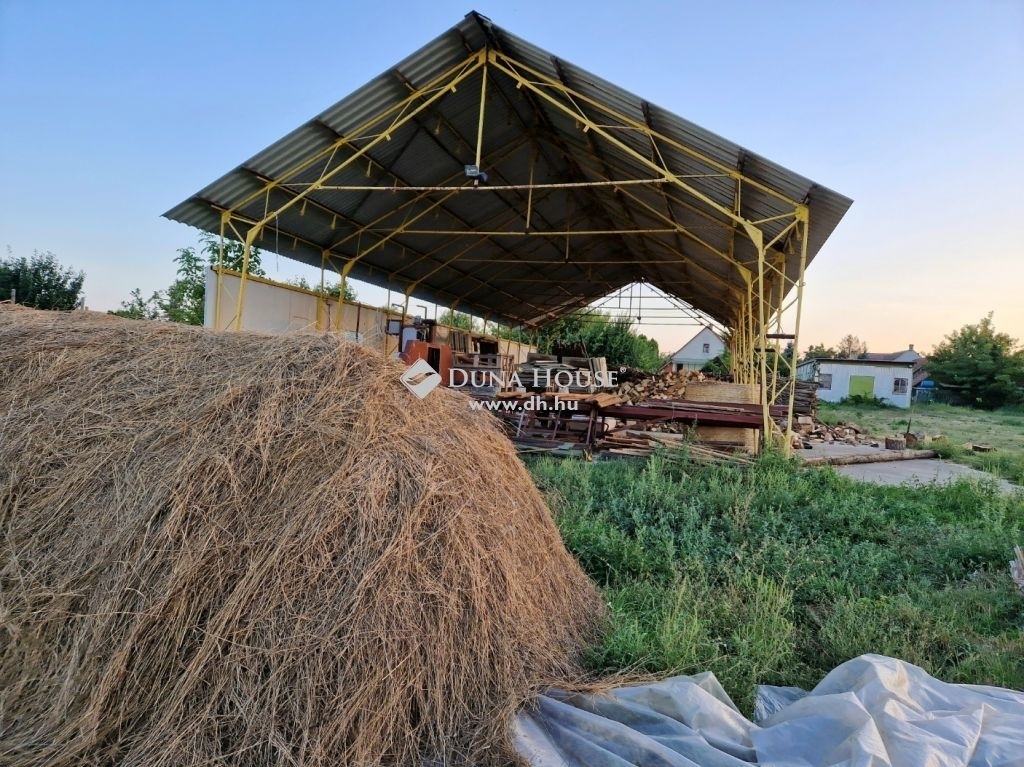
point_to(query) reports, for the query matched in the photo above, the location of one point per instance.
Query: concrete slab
(832, 449)
(919, 472)
(912, 472)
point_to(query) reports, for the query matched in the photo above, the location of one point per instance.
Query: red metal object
(438, 356)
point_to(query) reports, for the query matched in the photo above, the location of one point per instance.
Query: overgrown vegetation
(775, 574)
(959, 427)
(40, 282)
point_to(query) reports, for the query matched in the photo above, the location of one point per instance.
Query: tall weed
(774, 573)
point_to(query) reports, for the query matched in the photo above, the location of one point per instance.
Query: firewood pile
(810, 432)
(805, 398)
(665, 386)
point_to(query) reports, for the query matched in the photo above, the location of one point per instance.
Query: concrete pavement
(911, 472)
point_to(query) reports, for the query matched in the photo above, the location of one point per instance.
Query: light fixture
(474, 172)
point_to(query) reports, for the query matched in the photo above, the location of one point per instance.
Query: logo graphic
(420, 378)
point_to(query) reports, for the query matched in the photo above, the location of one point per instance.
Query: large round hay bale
(241, 549)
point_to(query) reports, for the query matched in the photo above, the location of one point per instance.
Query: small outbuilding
(885, 376)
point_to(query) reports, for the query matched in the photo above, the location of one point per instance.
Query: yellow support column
(761, 340)
(803, 216)
(778, 329)
(250, 238)
(321, 299)
(220, 272)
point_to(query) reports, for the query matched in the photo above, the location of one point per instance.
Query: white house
(698, 351)
(889, 377)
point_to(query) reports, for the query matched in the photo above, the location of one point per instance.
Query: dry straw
(241, 549)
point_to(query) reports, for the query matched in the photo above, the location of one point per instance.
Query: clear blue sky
(113, 111)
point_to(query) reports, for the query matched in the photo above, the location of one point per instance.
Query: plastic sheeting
(872, 711)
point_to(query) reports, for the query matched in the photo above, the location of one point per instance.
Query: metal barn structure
(485, 174)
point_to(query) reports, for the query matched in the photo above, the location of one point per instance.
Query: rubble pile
(811, 432)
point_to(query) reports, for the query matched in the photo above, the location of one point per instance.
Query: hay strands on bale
(243, 549)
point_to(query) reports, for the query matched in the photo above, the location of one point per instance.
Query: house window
(825, 381)
(899, 386)
(706, 349)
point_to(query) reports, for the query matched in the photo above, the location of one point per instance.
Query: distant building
(697, 352)
(889, 377)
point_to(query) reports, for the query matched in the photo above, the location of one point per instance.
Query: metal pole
(250, 238)
(805, 232)
(220, 273)
(480, 126)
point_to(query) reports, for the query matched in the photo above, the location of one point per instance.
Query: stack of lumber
(805, 398)
(596, 367)
(483, 372)
(633, 442)
(459, 340)
(598, 399)
(540, 371)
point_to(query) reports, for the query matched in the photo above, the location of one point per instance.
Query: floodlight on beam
(474, 172)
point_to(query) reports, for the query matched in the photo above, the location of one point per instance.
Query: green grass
(776, 574)
(1001, 429)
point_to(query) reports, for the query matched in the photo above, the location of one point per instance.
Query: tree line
(983, 366)
(977, 364)
(185, 298)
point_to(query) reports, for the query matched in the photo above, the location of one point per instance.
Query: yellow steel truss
(761, 312)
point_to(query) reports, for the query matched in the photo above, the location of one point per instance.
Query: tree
(334, 291)
(719, 366)
(139, 308)
(41, 282)
(184, 300)
(234, 254)
(851, 347)
(601, 335)
(985, 367)
(820, 351)
(512, 334)
(331, 291)
(458, 320)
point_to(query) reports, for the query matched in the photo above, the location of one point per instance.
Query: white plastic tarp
(872, 711)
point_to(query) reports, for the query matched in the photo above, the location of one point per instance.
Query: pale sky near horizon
(114, 111)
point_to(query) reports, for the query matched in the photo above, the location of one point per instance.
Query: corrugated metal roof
(519, 277)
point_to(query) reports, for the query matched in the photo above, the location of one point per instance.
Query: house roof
(888, 356)
(589, 188)
(695, 336)
(861, 361)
